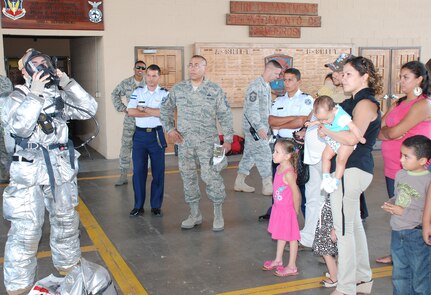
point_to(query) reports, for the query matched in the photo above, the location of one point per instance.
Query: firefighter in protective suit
(43, 170)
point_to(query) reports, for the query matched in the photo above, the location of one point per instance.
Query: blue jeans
(411, 257)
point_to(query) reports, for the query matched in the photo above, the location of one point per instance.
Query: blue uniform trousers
(148, 144)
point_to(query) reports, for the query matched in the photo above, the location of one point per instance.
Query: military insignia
(307, 101)
(95, 14)
(253, 96)
(164, 99)
(13, 9)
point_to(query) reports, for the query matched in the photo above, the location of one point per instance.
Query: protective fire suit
(42, 175)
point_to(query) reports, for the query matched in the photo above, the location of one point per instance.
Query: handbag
(302, 169)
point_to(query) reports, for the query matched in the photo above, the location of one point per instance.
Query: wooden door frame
(391, 50)
(181, 48)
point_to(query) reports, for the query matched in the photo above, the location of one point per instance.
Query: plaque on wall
(52, 14)
(233, 66)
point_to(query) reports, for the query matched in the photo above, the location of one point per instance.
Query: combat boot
(194, 218)
(267, 186)
(241, 186)
(218, 223)
(122, 180)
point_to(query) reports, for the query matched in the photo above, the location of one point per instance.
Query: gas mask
(46, 67)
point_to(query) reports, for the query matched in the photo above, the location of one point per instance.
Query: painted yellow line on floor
(299, 285)
(123, 275)
(130, 174)
(44, 254)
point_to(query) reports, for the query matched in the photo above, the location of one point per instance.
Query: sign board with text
(52, 14)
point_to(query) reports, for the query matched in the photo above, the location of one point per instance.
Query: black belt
(419, 227)
(59, 146)
(21, 159)
(149, 129)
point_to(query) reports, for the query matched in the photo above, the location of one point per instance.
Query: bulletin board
(233, 66)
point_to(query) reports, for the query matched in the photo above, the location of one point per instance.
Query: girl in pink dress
(283, 223)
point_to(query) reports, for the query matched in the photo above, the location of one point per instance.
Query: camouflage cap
(337, 65)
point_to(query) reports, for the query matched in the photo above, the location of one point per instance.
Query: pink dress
(283, 223)
(391, 149)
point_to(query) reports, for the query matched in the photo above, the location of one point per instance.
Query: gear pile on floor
(86, 278)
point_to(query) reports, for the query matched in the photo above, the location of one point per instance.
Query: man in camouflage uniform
(126, 88)
(5, 158)
(257, 105)
(200, 104)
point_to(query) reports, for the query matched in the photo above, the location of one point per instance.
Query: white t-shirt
(313, 145)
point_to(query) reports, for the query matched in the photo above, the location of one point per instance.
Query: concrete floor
(152, 255)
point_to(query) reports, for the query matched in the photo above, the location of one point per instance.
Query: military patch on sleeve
(253, 96)
(164, 99)
(307, 101)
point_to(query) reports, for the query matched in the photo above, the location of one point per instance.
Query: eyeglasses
(140, 68)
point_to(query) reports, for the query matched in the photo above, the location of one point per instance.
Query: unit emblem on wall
(13, 9)
(286, 62)
(95, 14)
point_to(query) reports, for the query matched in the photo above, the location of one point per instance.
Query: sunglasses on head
(140, 67)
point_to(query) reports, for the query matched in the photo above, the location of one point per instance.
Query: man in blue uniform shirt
(148, 141)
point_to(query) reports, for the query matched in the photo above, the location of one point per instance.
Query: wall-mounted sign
(273, 19)
(52, 14)
(273, 7)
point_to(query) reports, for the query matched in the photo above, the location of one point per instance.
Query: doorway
(388, 62)
(78, 57)
(171, 62)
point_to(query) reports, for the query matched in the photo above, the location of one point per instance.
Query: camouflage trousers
(256, 153)
(189, 155)
(127, 143)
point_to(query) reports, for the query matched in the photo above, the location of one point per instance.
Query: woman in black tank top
(360, 79)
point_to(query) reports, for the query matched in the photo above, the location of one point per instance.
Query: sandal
(385, 259)
(271, 264)
(328, 283)
(286, 271)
